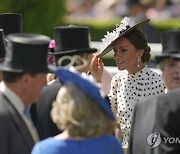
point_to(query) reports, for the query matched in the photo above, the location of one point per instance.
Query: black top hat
(2, 44)
(120, 30)
(11, 23)
(71, 40)
(170, 45)
(26, 53)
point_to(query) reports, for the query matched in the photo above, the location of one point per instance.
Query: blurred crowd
(108, 9)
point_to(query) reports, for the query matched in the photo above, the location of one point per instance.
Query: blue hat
(87, 87)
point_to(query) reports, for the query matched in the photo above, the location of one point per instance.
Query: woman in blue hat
(84, 115)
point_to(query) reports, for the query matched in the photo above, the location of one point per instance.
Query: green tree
(39, 16)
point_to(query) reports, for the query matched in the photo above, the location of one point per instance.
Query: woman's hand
(96, 67)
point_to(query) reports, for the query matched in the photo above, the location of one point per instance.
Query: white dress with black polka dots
(127, 89)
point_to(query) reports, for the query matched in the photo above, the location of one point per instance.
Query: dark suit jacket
(15, 137)
(143, 124)
(45, 125)
(168, 121)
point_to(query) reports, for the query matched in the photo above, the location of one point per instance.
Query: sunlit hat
(120, 30)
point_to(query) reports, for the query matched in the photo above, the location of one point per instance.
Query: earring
(139, 59)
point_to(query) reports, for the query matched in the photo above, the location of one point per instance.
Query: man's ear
(25, 78)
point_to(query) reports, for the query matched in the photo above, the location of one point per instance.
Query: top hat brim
(160, 58)
(74, 52)
(110, 46)
(16, 69)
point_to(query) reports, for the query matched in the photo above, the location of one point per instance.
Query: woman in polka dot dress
(131, 53)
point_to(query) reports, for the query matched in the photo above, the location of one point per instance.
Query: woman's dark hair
(139, 40)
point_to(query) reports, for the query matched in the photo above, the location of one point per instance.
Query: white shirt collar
(15, 100)
(19, 105)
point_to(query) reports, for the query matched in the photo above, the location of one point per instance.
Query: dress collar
(139, 73)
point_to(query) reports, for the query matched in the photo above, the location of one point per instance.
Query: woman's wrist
(97, 78)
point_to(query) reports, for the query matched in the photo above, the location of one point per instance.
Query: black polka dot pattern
(127, 90)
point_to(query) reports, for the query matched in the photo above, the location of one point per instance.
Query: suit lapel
(19, 123)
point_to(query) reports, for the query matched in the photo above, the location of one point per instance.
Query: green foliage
(99, 28)
(164, 25)
(5, 6)
(39, 16)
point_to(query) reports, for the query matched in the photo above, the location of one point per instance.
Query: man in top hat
(169, 60)
(168, 106)
(71, 41)
(24, 74)
(152, 116)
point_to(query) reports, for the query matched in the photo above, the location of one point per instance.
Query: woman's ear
(140, 53)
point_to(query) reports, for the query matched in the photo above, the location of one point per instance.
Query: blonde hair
(76, 112)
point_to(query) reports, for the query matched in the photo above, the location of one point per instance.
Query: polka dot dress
(127, 89)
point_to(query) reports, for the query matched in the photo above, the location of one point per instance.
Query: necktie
(28, 115)
(33, 130)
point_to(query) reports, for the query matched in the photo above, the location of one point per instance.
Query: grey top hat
(26, 53)
(11, 23)
(170, 45)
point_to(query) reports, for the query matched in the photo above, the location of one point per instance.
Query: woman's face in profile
(125, 55)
